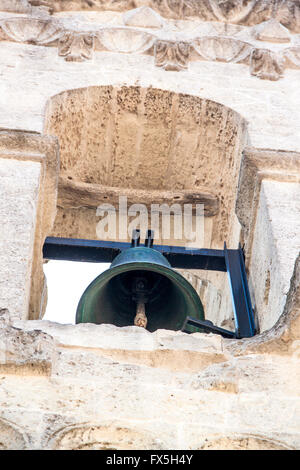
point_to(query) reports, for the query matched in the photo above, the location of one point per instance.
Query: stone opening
(153, 146)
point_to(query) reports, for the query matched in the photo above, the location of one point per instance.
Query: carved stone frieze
(172, 55)
(266, 64)
(76, 47)
(272, 31)
(11, 436)
(236, 11)
(244, 442)
(222, 49)
(287, 12)
(125, 40)
(292, 57)
(171, 51)
(87, 436)
(31, 30)
(246, 12)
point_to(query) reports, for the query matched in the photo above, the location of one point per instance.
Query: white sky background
(66, 281)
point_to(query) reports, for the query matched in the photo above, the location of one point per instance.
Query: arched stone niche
(11, 438)
(151, 145)
(243, 442)
(105, 437)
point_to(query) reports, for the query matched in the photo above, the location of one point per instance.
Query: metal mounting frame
(226, 260)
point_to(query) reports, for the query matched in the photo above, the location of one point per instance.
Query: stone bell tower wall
(163, 102)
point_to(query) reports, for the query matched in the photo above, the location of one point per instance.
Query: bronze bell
(140, 288)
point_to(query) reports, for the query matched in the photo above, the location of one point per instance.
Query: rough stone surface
(275, 247)
(19, 191)
(62, 411)
(135, 135)
(28, 208)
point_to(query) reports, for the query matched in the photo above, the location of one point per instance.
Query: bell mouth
(107, 299)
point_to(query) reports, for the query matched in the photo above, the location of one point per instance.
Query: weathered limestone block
(173, 404)
(73, 194)
(283, 337)
(170, 350)
(257, 165)
(19, 191)
(268, 213)
(29, 170)
(276, 245)
(25, 353)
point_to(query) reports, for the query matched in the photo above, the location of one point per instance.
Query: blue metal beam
(99, 251)
(243, 313)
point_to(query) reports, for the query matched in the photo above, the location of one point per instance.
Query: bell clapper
(140, 318)
(140, 296)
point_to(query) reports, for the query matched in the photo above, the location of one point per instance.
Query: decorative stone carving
(16, 6)
(236, 46)
(11, 437)
(288, 14)
(250, 442)
(31, 30)
(124, 40)
(76, 47)
(247, 12)
(266, 64)
(272, 31)
(94, 437)
(231, 11)
(172, 55)
(143, 17)
(292, 56)
(222, 49)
